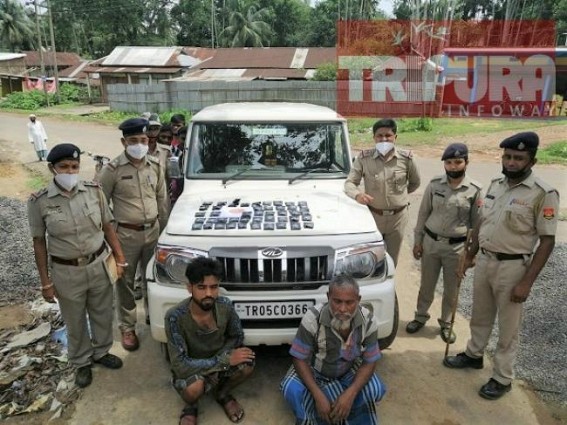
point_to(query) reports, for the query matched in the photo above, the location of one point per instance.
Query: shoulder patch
(406, 152)
(91, 183)
(436, 178)
(113, 165)
(152, 159)
(546, 187)
(34, 196)
(366, 153)
(476, 184)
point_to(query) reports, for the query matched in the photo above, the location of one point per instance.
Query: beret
(133, 126)
(63, 151)
(525, 141)
(154, 120)
(456, 150)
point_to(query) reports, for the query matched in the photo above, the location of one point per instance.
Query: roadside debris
(34, 373)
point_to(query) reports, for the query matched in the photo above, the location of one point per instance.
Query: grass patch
(37, 179)
(556, 153)
(411, 133)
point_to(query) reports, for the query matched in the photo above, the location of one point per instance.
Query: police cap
(456, 150)
(63, 151)
(154, 120)
(525, 141)
(133, 126)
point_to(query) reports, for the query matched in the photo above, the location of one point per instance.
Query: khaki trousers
(493, 283)
(392, 228)
(81, 291)
(138, 247)
(437, 256)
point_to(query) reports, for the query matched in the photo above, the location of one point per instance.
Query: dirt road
(420, 389)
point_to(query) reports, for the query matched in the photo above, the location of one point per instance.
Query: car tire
(386, 342)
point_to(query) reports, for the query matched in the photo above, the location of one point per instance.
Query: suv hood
(330, 212)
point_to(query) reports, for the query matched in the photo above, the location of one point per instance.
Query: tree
(16, 28)
(247, 26)
(288, 20)
(326, 72)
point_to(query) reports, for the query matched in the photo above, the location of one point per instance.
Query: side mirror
(173, 168)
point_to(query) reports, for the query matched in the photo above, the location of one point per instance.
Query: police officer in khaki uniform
(157, 149)
(135, 183)
(76, 218)
(449, 208)
(389, 174)
(519, 212)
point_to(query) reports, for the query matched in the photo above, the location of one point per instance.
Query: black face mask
(518, 174)
(455, 174)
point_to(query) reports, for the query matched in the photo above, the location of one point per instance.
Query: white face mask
(384, 147)
(137, 151)
(67, 181)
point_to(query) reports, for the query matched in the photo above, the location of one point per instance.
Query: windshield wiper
(313, 170)
(255, 167)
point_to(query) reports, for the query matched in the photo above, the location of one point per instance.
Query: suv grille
(290, 270)
(247, 271)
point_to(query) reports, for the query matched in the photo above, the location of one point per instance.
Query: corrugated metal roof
(216, 74)
(271, 73)
(270, 57)
(77, 71)
(201, 53)
(134, 70)
(244, 74)
(63, 58)
(142, 56)
(10, 56)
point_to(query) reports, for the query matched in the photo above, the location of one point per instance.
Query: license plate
(273, 310)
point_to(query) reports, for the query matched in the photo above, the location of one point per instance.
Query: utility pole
(54, 52)
(40, 49)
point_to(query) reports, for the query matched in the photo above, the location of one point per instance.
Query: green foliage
(29, 100)
(35, 99)
(556, 153)
(72, 93)
(326, 72)
(165, 117)
(247, 26)
(16, 28)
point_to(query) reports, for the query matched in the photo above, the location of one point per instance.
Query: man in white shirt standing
(38, 137)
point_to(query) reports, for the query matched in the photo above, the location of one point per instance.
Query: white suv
(263, 194)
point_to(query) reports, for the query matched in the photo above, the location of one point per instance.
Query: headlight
(361, 261)
(171, 262)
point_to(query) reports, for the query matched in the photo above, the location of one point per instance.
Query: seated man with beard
(335, 351)
(204, 341)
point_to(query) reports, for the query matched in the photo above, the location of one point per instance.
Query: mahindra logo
(272, 252)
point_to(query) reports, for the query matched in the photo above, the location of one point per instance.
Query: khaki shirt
(162, 153)
(446, 211)
(138, 195)
(388, 182)
(73, 223)
(513, 218)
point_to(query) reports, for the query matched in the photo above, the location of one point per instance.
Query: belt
(386, 212)
(501, 256)
(444, 239)
(138, 227)
(81, 261)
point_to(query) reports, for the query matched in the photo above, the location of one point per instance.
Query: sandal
(232, 408)
(189, 415)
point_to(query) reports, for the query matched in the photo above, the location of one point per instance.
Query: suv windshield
(271, 151)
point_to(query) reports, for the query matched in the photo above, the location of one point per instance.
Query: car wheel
(386, 342)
